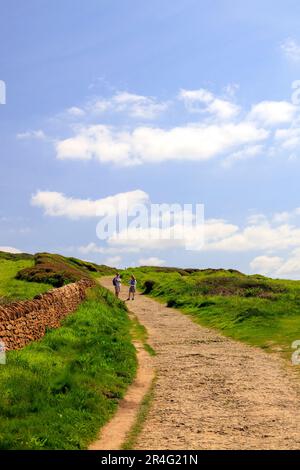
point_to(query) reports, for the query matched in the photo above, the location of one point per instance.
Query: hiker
(132, 287)
(117, 283)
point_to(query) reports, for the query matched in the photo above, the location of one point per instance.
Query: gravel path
(213, 392)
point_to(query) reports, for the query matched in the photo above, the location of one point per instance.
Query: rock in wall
(26, 321)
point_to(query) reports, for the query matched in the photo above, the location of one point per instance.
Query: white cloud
(256, 218)
(270, 113)
(204, 101)
(133, 105)
(94, 248)
(152, 261)
(288, 138)
(244, 154)
(10, 249)
(153, 145)
(291, 267)
(91, 248)
(219, 235)
(139, 106)
(113, 261)
(222, 128)
(75, 111)
(286, 216)
(266, 264)
(276, 266)
(58, 205)
(259, 237)
(178, 236)
(291, 49)
(37, 135)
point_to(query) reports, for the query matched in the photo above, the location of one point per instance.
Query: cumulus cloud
(258, 234)
(271, 113)
(276, 266)
(288, 138)
(152, 145)
(75, 111)
(291, 266)
(139, 106)
(246, 153)
(10, 249)
(113, 261)
(206, 102)
(94, 248)
(221, 129)
(152, 261)
(133, 105)
(262, 236)
(176, 236)
(58, 205)
(266, 264)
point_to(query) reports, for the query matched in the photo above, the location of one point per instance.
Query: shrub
(148, 286)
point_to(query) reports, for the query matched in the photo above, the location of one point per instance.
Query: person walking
(117, 284)
(132, 287)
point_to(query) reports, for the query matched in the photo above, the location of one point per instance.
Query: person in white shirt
(117, 284)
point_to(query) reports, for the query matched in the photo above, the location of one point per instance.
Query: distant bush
(148, 286)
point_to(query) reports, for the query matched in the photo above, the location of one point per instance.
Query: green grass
(258, 310)
(140, 334)
(132, 436)
(58, 392)
(11, 288)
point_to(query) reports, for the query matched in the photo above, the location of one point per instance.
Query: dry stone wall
(26, 321)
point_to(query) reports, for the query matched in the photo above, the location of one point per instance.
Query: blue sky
(176, 102)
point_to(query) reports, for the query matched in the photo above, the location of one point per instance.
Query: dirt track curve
(213, 392)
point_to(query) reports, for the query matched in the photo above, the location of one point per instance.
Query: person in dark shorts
(132, 287)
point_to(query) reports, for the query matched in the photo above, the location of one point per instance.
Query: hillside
(22, 276)
(256, 309)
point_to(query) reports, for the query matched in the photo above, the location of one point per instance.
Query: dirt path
(213, 392)
(114, 433)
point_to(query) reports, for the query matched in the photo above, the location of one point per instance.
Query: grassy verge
(58, 392)
(139, 333)
(137, 428)
(11, 288)
(255, 309)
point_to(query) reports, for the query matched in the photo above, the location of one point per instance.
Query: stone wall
(26, 321)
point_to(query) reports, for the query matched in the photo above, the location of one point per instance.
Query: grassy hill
(22, 276)
(59, 270)
(12, 288)
(256, 309)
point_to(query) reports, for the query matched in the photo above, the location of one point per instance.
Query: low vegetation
(59, 270)
(58, 392)
(23, 276)
(14, 289)
(259, 310)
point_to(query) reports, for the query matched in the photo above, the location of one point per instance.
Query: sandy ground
(213, 392)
